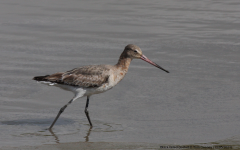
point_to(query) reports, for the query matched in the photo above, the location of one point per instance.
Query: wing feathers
(87, 76)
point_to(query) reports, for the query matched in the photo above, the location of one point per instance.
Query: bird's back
(86, 76)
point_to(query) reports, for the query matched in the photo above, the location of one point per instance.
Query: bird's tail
(40, 78)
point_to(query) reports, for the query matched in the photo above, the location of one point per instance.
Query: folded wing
(87, 76)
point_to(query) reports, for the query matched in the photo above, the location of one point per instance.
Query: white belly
(81, 91)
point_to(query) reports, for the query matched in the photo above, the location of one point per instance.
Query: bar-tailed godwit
(94, 79)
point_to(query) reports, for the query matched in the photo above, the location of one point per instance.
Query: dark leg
(86, 112)
(59, 113)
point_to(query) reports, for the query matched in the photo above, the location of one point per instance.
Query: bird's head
(134, 52)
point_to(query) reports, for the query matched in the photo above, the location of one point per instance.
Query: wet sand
(122, 146)
(90, 146)
(197, 41)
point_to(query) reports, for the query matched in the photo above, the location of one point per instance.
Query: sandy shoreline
(120, 145)
(88, 145)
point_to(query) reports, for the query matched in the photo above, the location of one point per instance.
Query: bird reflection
(55, 136)
(88, 134)
(58, 141)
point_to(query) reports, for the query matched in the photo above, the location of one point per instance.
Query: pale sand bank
(87, 146)
(123, 146)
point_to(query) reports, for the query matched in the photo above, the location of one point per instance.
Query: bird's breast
(113, 80)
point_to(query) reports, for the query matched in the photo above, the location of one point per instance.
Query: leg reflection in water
(55, 136)
(58, 141)
(88, 134)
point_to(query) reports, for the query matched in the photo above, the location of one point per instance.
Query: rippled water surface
(197, 41)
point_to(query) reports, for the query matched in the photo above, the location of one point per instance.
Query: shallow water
(197, 41)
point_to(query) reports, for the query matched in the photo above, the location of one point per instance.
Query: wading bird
(94, 79)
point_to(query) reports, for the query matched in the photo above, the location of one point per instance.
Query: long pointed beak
(152, 63)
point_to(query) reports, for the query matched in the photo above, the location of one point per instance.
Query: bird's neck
(123, 62)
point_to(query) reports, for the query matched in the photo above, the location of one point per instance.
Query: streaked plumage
(94, 79)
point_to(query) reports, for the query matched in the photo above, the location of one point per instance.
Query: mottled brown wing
(87, 76)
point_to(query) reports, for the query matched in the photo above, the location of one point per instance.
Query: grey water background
(197, 41)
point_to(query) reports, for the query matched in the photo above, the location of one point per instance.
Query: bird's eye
(135, 51)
